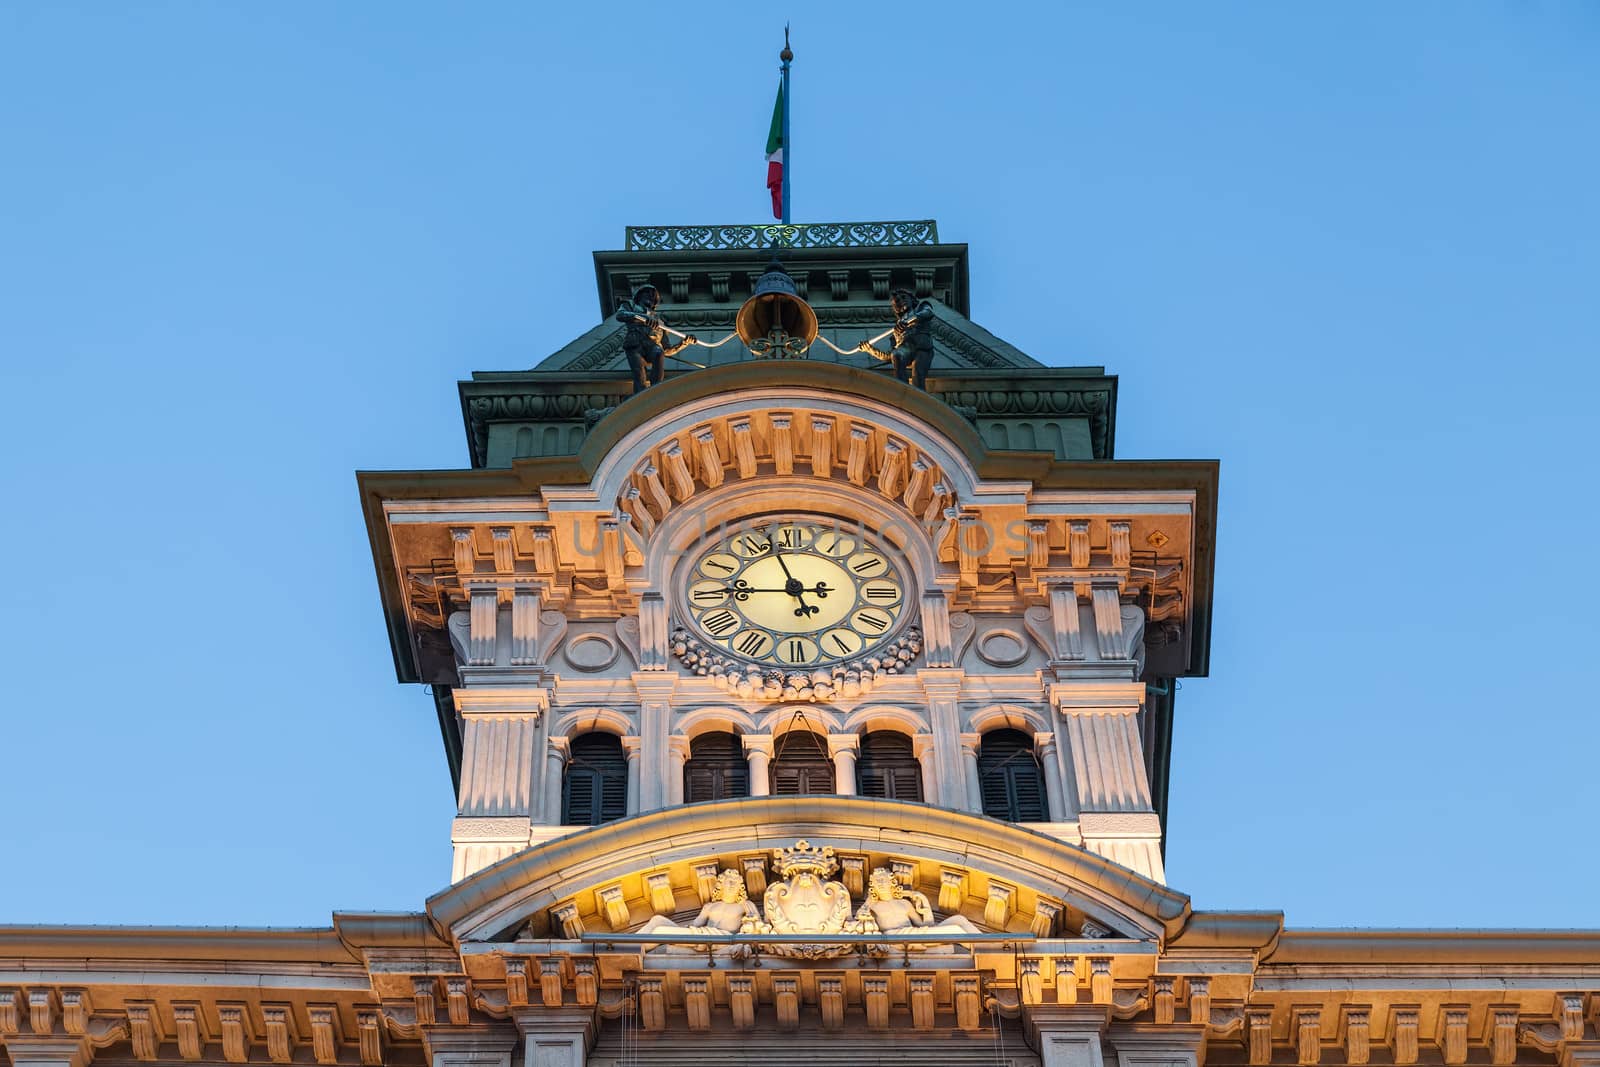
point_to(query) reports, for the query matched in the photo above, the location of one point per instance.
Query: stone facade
(705, 819)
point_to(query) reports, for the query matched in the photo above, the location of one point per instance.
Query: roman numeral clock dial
(794, 593)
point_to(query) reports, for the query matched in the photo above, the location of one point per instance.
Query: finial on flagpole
(786, 54)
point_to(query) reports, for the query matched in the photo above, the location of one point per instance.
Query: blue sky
(1348, 249)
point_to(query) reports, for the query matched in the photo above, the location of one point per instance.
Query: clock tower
(781, 576)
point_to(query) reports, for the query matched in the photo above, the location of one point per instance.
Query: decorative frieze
(675, 467)
(233, 1021)
(609, 901)
(921, 996)
(144, 1029)
(875, 996)
(705, 441)
(821, 447)
(567, 919)
(1100, 983)
(1403, 1022)
(966, 990)
(742, 1000)
(516, 981)
(369, 1036)
(855, 466)
(786, 999)
(1001, 900)
(1357, 1025)
(1164, 998)
(424, 1000)
(782, 442)
(585, 981)
(1030, 980)
(1066, 968)
(76, 1008)
(658, 890)
(187, 1025)
(697, 1001)
(1199, 1001)
(42, 1003)
(744, 447)
(952, 889)
(830, 999)
(1502, 1034)
(1258, 1035)
(652, 1000)
(1308, 1035)
(277, 1024)
(325, 1033)
(550, 988)
(1452, 1034)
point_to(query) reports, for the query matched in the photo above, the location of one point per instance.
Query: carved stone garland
(850, 678)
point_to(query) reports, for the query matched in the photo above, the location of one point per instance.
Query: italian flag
(775, 156)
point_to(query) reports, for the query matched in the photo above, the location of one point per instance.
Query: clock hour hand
(792, 584)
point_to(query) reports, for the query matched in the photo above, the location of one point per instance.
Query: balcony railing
(799, 235)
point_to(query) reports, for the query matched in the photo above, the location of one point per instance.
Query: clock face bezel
(833, 632)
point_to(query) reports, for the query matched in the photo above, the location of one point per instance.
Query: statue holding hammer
(912, 354)
(642, 342)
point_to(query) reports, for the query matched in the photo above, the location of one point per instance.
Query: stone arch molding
(614, 877)
(781, 433)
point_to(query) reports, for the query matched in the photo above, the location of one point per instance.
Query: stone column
(555, 766)
(843, 749)
(1113, 805)
(500, 765)
(655, 690)
(677, 753)
(27, 1050)
(922, 745)
(1045, 743)
(1068, 1035)
(969, 767)
(758, 750)
(942, 688)
(474, 1048)
(630, 749)
(1151, 1045)
(556, 1037)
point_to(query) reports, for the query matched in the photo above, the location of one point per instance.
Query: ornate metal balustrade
(801, 235)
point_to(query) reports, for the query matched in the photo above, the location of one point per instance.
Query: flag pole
(788, 150)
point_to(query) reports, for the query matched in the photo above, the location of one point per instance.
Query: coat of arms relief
(808, 902)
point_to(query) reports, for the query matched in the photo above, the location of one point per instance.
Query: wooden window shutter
(801, 765)
(1010, 781)
(595, 787)
(886, 767)
(716, 769)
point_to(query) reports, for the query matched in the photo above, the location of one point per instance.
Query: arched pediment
(1010, 878)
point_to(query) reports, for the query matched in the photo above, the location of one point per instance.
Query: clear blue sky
(1348, 249)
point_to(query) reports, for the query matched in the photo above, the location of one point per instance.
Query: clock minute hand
(792, 586)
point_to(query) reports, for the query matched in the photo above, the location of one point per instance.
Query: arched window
(1012, 785)
(801, 765)
(595, 787)
(716, 769)
(888, 768)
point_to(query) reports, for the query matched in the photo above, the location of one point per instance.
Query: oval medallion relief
(591, 652)
(1002, 648)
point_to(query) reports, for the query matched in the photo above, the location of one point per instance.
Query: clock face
(795, 592)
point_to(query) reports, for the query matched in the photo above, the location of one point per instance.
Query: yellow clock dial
(795, 592)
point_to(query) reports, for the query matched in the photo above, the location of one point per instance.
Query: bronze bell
(775, 322)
